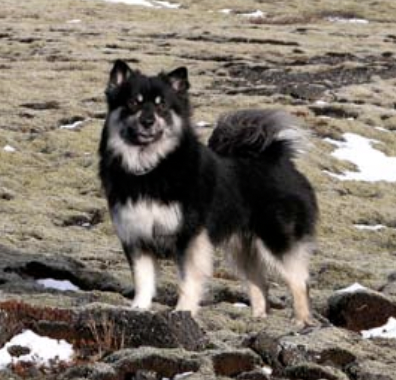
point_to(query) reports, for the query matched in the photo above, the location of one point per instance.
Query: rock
(6, 194)
(165, 363)
(337, 112)
(359, 310)
(267, 341)
(18, 350)
(103, 328)
(372, 370)
(232, 363)
(321, 353)
(25, 268)
(226, 293)
(309, 371)
(96, 371)
(115, 328)
(325, 346)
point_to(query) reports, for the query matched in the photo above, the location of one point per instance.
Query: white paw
(259, 313)
(193, 309)
(306, 322)
(140, 304)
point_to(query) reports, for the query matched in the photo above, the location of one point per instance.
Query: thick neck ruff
(140, 160)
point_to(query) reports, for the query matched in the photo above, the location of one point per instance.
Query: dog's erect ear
(179, 79)
(119, 74)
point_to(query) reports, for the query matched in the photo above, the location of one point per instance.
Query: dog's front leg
(195, 266)
(144, 270)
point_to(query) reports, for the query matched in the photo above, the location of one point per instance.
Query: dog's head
(146, 115)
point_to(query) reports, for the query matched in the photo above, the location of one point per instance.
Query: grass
(46, 60)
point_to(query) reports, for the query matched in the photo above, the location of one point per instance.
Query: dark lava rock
(372, 370)
(6, 194)
(97, 371)
(334, 111)
(360, 310)
(18, 350)
(309, 371)
(19, 270)
(115, 328)
(105, 329)
(41, 106)
(305, 84)
(257, 374)
(165, 363)
(324, 346)
(232, 363)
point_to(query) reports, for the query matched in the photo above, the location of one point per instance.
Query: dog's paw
(138, 304)
(259, 313)
(306, 323)
(193, 309)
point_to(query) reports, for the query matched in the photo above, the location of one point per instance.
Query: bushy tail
(258, 133)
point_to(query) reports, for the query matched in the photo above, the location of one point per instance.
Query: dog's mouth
(146, 138)
(142, 138)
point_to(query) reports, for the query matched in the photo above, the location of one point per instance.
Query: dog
(169, 195)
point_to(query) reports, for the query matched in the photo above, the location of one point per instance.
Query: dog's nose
(147, 121)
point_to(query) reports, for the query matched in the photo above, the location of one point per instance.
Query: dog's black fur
(243, 187)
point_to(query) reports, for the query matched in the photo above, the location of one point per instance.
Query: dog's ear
(119, 74)
(179, 79)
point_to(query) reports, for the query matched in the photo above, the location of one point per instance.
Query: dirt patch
(269, 80)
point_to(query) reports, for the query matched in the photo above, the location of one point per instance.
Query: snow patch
(239, 305)
(9, 148)
(255, 14)
(267, 370)
(386, 331)
(351, 289)
(74, 125)
(167, 4)
(43, 350)
(321, 103)
(348, 20)
(62, 285)
(180, 376)
(367, 227)
(373, 164)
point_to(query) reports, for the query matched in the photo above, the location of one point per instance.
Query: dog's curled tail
(256, 133)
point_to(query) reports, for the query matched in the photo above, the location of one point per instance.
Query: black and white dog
(171, 196)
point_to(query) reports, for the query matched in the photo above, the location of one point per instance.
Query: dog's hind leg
(251, 268)
(257, 287)
(295, 271)
(195, 268)
(294, 268)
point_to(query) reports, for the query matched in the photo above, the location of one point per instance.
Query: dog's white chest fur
(146, 219)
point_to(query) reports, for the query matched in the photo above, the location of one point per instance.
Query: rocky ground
(337, 76)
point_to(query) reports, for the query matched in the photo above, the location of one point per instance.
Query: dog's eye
(135, 103)
(160, 103)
